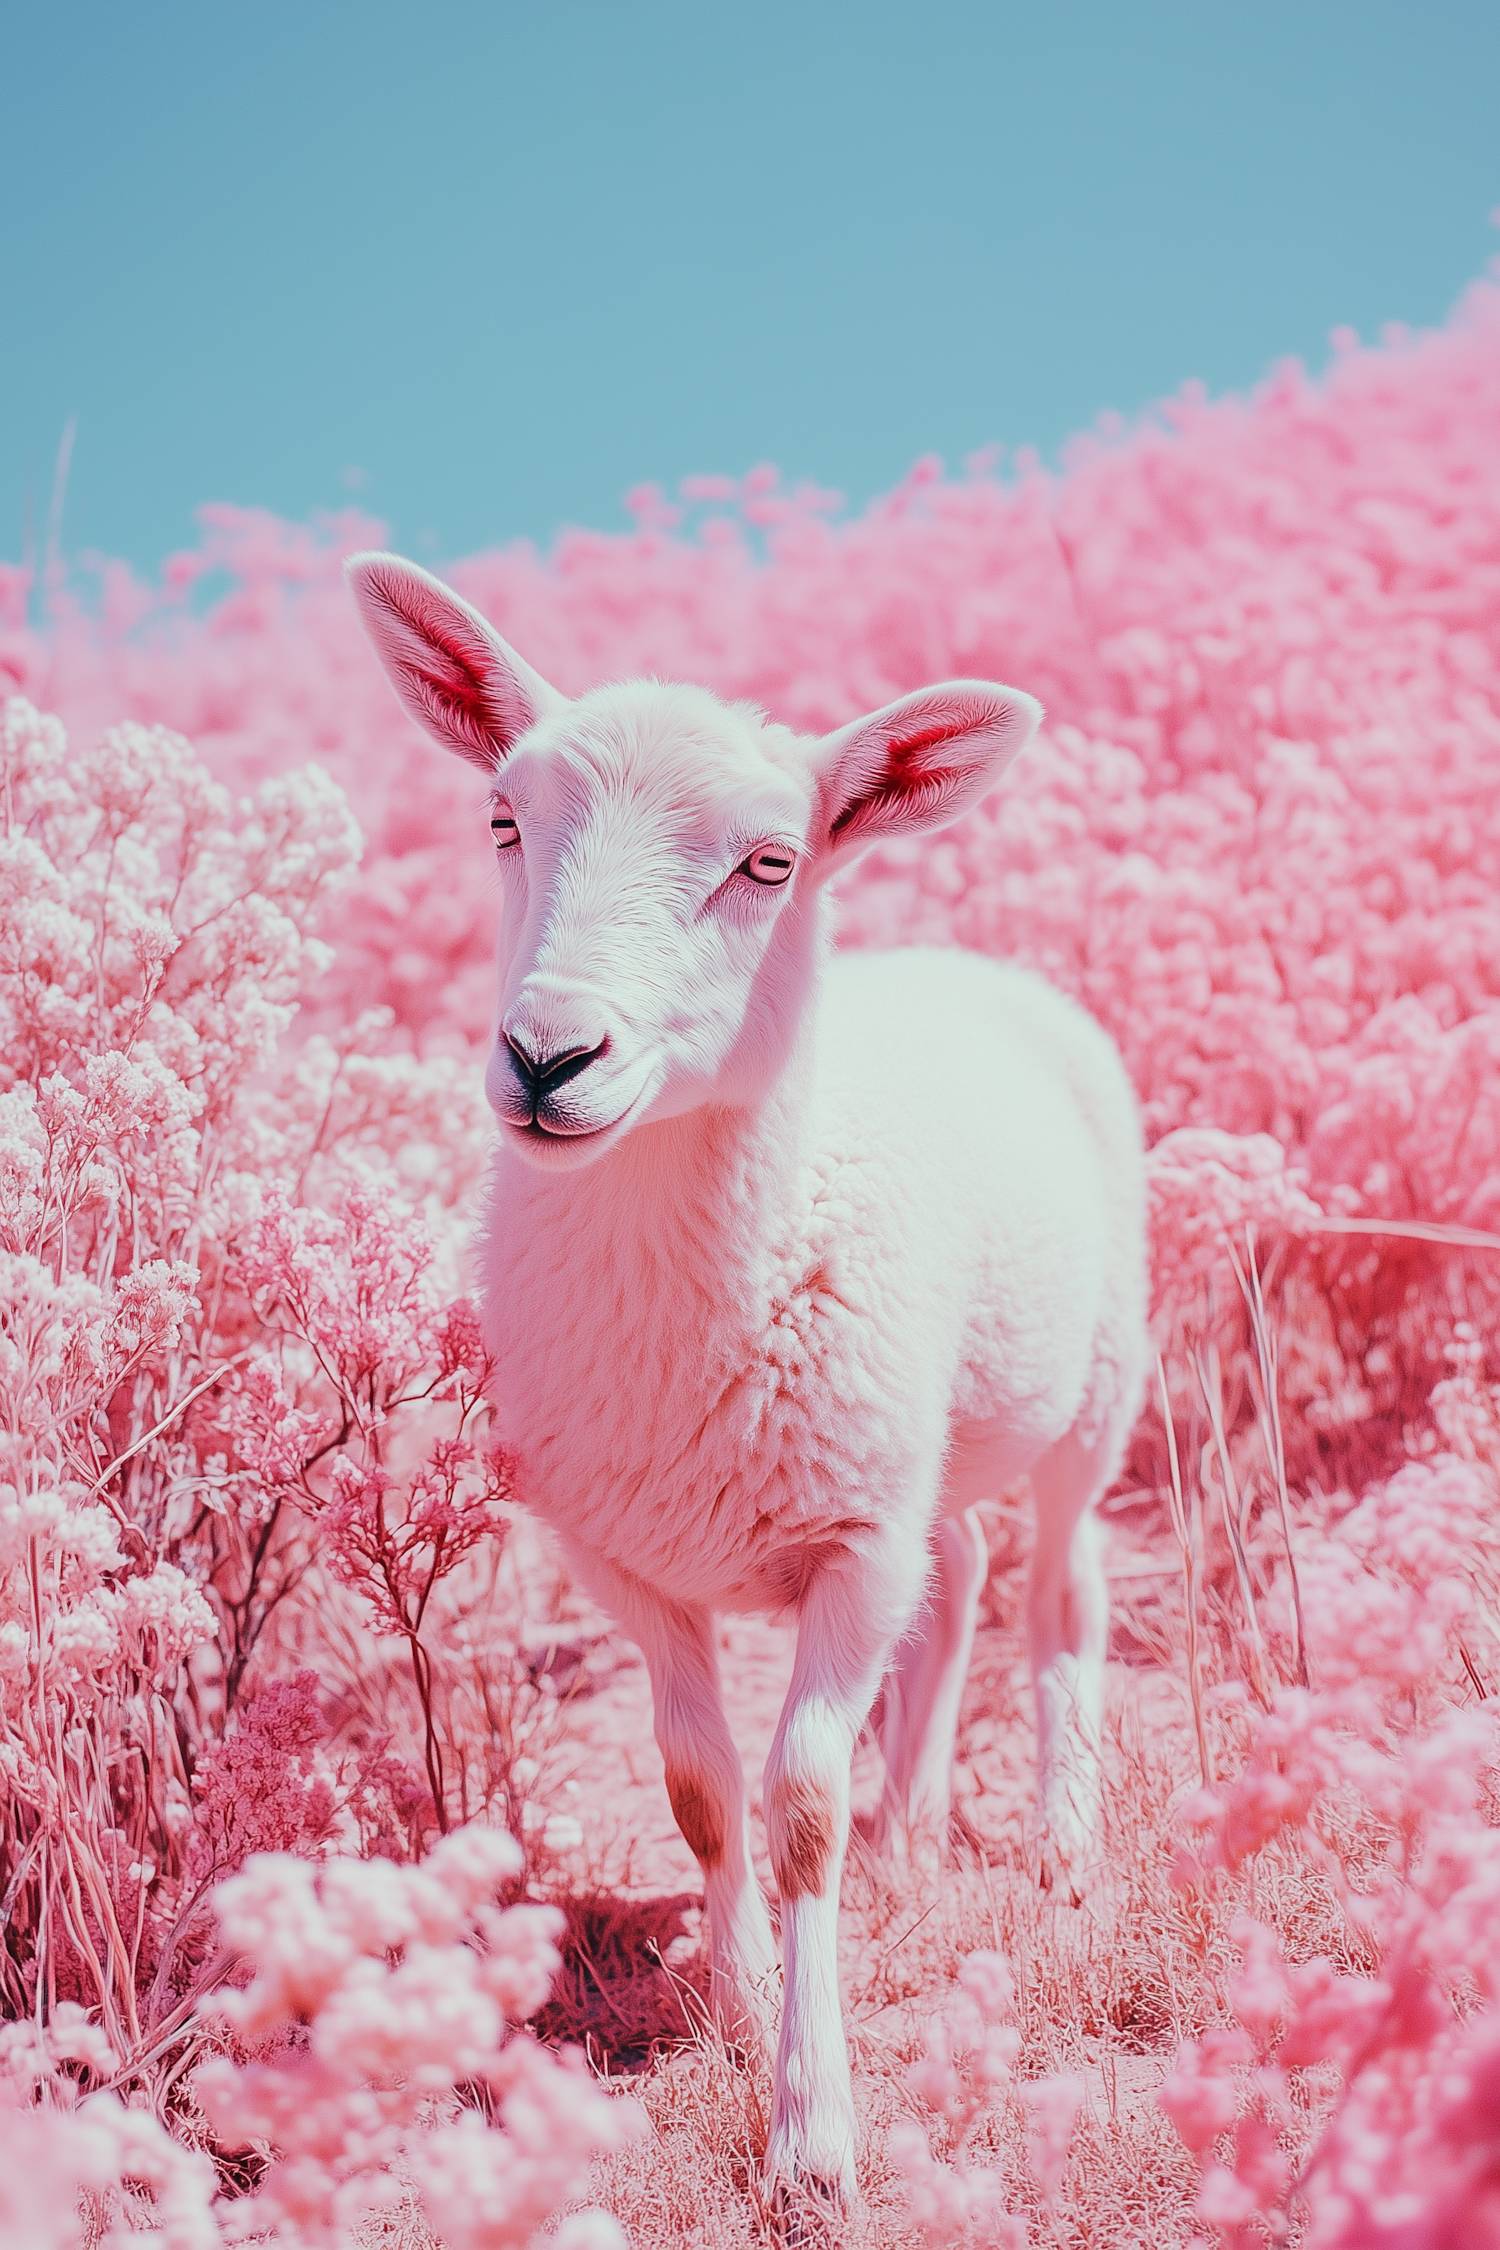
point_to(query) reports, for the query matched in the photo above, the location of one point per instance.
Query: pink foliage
(380, 1994)
(1381, 1782)
(968, 2067)
(404, 1979)
(259, 1789)
(197, 1368)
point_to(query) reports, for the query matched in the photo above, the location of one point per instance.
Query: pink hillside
(319, 1783)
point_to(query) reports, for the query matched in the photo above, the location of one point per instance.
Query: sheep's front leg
(706, 1786)
(843, 1642)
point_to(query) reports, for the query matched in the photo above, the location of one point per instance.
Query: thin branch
(1229, 1493)
(181, 1407)
(1406, 1230)
(1189, 1577)
(1269, 1418)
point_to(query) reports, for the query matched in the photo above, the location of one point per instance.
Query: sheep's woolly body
(790, 1261)
(737, 1343)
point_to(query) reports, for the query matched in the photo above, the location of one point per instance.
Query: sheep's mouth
(560, 1142)
(545, 1149)
(570, 1135)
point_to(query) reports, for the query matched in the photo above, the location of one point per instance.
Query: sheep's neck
(695, 1208)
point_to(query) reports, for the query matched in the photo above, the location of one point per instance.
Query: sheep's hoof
(807, 2211)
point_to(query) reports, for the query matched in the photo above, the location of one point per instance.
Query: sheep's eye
(772, 864)
(503, 828)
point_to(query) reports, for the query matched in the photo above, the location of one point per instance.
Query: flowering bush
(199, 1372)
(259, 1682)
(378, 1994)
(152, 955)
(969, 2064)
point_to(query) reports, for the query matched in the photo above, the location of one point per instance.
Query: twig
(181, 1407)
(1189, 1578)
(696, 2013)
(1408, 1230)
(1229, 1494)
(589, 1963)
(1270, 1429)
(22, 1870)
(901, 1940)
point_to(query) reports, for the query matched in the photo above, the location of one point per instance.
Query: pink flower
(380, 1965)
(1054, 2104)
(1201, 2096)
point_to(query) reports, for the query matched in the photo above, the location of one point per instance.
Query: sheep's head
(661, 858)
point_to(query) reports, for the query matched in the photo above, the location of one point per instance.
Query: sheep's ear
(918, 763)
(451, 669)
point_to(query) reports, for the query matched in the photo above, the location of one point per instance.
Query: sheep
(791, 1258)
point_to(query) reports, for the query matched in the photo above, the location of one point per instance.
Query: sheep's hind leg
(921, 1696)
(706, 1786)
(1068, 1622)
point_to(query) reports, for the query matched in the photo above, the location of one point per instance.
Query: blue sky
(481, 268)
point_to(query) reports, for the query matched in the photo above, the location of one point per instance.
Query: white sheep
(791, 1258)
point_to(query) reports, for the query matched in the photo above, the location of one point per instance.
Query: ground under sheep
(791, 1259)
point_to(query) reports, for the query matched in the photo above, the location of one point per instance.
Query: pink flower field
(340, 1899)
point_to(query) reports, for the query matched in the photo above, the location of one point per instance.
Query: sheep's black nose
(543, 1074)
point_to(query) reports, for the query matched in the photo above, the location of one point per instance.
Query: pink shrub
(197, 1367)
(152, 954)
(380, 1994)
(404, 1979)
(1379, 1780)
(259, 1788)
(969, 2066)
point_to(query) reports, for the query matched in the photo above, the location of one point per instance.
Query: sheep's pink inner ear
(921, 762)
(450, 668)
